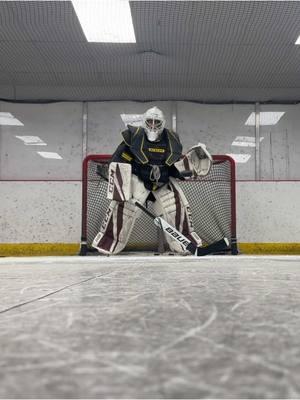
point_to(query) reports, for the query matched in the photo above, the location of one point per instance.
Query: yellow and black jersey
(142, 154)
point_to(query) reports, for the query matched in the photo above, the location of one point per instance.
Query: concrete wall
(280, 146)
(48, 209)
(105, 123)
(217, 126)
(59, 125)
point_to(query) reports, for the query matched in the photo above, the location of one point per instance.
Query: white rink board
(40, 212)
(50, 212)
(268, 212)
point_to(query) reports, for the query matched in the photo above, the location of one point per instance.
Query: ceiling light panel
(266, 118)
(240, 158)
(49, 154)
(298, 40)
(245, 141)
(32, 140)
(132, 119)
(7, 118)
(105, 21)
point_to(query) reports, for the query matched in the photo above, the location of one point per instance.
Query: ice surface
(150, 327)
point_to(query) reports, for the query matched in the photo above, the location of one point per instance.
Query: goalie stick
(220, 245)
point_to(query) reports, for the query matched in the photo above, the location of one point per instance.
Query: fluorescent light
(32, 140)
(266, 118)
(7, 118)
(240, 158)
(245, 141)
(49, 154)
(107, 21)
(298, 40)
(132, 119)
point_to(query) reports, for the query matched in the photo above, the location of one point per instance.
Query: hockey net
(212, 200)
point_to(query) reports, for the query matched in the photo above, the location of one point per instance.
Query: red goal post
(212, 200)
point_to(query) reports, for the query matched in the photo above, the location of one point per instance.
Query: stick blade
(220, 245)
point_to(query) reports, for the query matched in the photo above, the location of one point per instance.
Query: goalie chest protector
(165, 152)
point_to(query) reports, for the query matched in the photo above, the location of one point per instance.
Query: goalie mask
(154, 123)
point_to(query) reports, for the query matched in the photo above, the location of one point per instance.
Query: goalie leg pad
(116, 228)
(139, 192)
(119, 181)
(119, 221)
(173, 205)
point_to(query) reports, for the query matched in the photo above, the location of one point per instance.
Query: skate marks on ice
(150, 327)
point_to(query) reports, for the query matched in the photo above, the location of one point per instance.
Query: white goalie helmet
(154, 123)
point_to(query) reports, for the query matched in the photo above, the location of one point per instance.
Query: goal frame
(106, 158)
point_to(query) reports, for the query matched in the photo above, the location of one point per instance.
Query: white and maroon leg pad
(119, 221)
(116, 228)
(174, 207)
(119, 181)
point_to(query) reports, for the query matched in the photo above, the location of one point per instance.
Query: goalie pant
(119, 219)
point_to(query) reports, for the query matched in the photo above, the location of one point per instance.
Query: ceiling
(205, 51)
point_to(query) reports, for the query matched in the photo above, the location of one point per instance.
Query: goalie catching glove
(196, 162)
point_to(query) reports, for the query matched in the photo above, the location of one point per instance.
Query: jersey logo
(126, 156)
(156, 150)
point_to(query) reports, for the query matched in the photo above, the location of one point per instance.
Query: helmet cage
(154, 125)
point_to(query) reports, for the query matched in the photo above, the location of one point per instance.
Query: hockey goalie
(146, 166)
